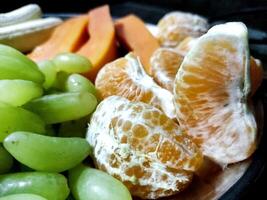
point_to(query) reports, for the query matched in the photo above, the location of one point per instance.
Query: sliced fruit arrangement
(181, 94)
(138, 144)
(211, 91)
(24, 29)
(126, 77)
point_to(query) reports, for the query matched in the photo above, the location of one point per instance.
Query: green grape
(61, 79)
(46, 153)
(51, 186)
(58, 108)
(18, 119)
(91, 184)
(12, 52)
(72, 63)
(74, 128)
(23, 197)
(6, 160)
(19, 92)
(15, 65)
(78, 83)
(48, 68)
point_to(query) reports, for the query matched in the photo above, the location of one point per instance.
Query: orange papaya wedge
(133, 34)
(101, 47)
(67, 37)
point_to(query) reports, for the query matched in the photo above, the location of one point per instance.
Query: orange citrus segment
(185, 45)
(176, 26)
(256, 74)
(138, 144)
(165, 63)
(126, 77)
(211, 89)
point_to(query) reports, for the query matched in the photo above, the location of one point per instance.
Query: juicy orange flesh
(211, 78)
(164, 66)
(125, 77)
(256, 72)
(121, 84)
(209, 99)
(169, 151)
(153, 140)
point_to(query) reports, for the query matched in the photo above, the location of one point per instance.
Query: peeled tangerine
(142, 147)
(176, 26)
(165, 63)
(211, 93)
(126, 77)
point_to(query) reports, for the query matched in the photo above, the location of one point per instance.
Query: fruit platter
(99, 107)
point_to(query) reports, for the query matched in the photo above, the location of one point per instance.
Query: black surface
(251, 12)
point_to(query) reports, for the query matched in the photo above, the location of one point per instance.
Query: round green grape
(72, 63)
(91, 184)
(78, 83)
(48, 68)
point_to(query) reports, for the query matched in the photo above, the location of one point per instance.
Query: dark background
(213, 9)
(252, 12)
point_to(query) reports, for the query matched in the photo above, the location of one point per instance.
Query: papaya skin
(101, 47)
(67, 37)
(132, 33)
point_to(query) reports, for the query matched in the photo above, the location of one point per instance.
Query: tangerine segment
(176, 26)
(211, 89)
(256, 69)
(126, 77)
(165, 63)
(138, 144)
(185, 45)
(256, 74)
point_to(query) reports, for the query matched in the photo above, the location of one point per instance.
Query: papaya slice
(133, 34)
(101, 47)
(67, 37)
